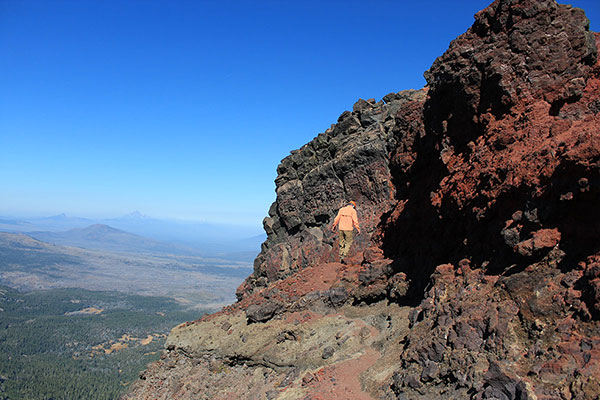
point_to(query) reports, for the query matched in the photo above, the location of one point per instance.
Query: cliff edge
(477, 272)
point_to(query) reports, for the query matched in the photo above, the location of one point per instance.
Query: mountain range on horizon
(187, 237)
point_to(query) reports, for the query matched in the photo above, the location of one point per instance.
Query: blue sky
(183, 109)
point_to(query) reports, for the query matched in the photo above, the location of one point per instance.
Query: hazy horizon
(133, 214)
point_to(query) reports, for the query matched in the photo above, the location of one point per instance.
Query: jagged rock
(327, 352)
(262, 312)
(500, 386)
(337, 296)
(350, 161)
(398, 287)
(513, 51)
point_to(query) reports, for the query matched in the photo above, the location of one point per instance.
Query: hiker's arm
(355, 221)
(335, 222)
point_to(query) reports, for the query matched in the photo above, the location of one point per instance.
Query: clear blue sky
(184, 109)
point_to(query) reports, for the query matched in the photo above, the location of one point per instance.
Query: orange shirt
(346, 218)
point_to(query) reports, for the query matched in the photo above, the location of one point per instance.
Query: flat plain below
(201, 282)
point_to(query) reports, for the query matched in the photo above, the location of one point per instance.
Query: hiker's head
(352, 203)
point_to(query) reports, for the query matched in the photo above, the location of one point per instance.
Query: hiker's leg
(342, 244)
(348, 243)
(345, 243)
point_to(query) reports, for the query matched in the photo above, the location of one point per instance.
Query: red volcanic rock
(515, 51)
(591, 288)
(477, 272)
(542, 239)
(505, 157)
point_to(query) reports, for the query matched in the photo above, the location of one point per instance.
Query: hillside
(477, 272)
(104, 237)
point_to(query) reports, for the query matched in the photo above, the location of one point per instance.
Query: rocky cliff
(477, 274)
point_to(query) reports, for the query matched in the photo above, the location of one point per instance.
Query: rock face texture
(349, 161)
(477, 274)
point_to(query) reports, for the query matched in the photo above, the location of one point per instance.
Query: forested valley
(75, 343)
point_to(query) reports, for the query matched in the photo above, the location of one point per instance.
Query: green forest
(79, 344)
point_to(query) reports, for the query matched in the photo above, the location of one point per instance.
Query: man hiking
(347, 220)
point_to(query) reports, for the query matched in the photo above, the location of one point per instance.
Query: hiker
(347, 220)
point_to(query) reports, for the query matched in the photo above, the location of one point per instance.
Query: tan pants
(345, 243)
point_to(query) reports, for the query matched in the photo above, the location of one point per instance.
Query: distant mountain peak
(99, 228)
(58, 216)
(135, 215)
(63, 218)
